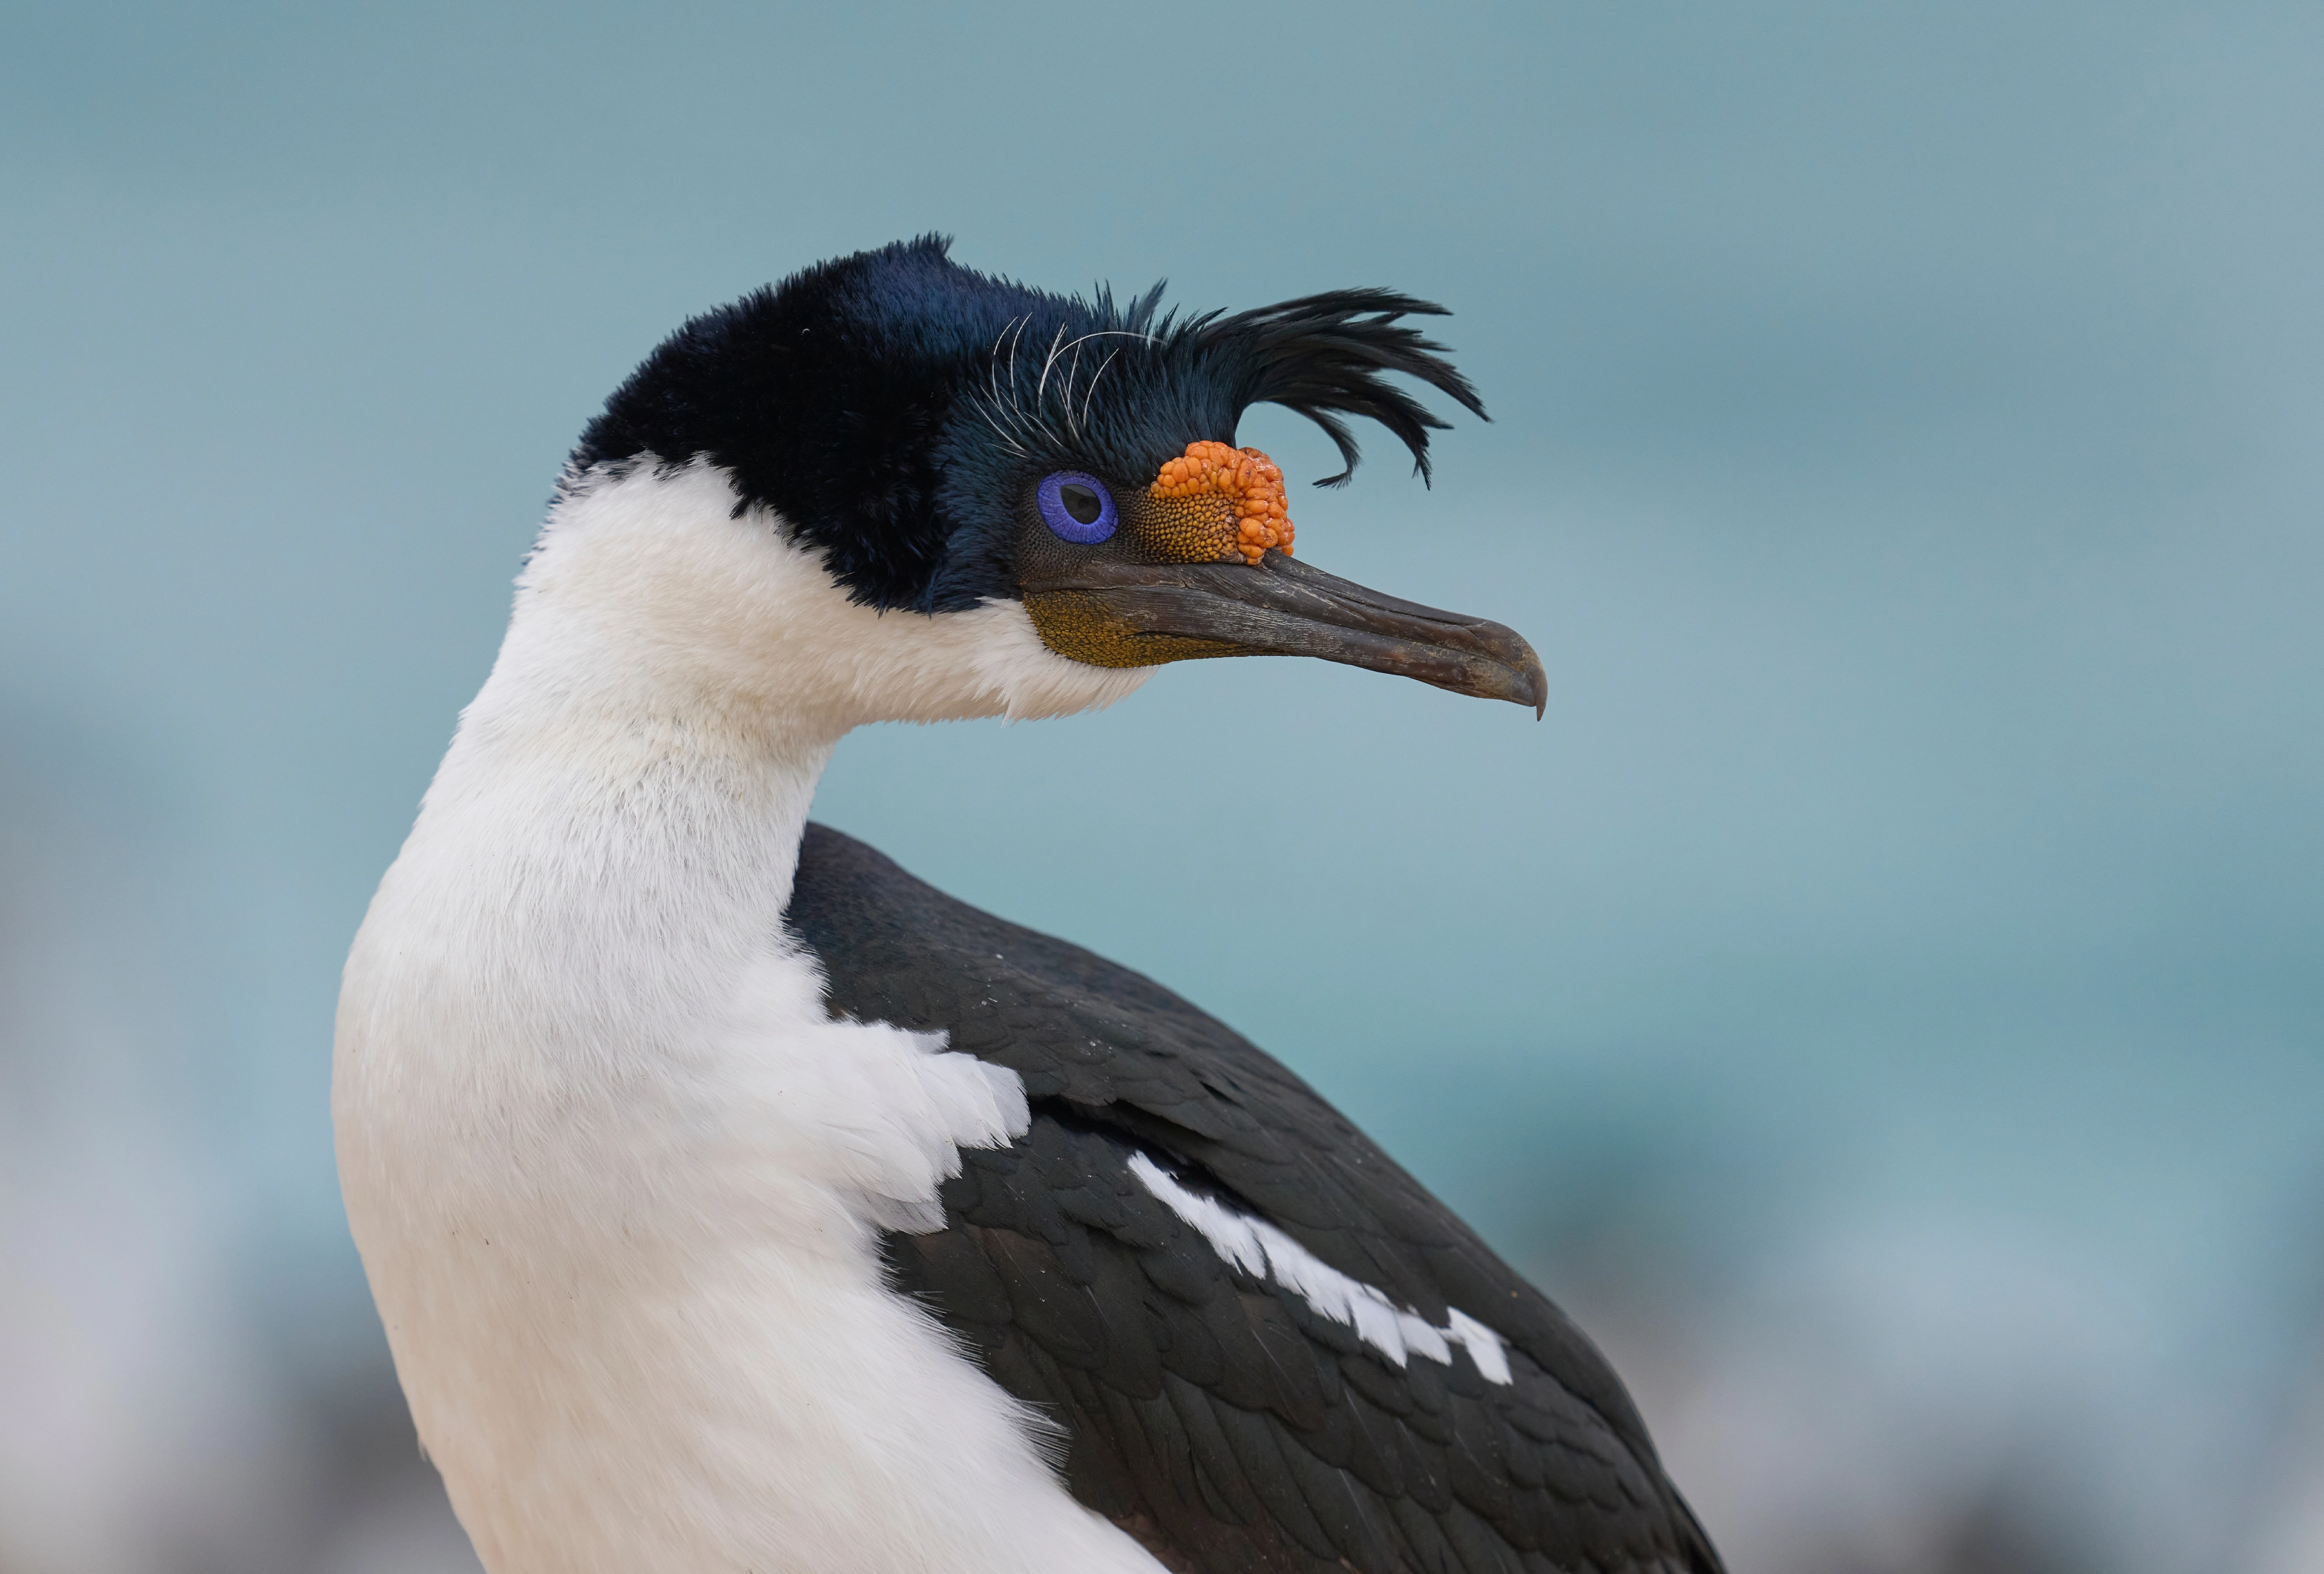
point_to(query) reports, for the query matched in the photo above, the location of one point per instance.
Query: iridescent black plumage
(1214, 1413)
(889, 405)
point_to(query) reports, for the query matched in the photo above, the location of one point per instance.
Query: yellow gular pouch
(1085, 626)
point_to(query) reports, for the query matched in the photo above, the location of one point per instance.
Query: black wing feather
(1217, 1417)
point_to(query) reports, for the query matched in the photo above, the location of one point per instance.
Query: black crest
(1322, 356)
(890, 406)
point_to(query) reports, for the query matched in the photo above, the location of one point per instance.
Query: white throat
(615, 1175)
(675, 676)
(656, 588)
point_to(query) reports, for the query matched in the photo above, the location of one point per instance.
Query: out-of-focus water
(1883, 1000)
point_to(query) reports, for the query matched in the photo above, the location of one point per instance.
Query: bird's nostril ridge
(1255, 515)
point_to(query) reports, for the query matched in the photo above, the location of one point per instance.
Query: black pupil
(1081, 501)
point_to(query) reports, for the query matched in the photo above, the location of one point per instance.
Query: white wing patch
(1265, 1252)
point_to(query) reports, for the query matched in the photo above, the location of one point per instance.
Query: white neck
(673, 682)
(614, 1173)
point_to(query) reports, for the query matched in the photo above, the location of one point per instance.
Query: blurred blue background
(1885, 999)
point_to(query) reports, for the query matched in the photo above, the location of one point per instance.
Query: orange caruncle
(1246, 478)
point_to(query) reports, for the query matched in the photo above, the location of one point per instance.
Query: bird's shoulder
(1249, 1319)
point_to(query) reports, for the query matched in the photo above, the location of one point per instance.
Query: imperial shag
(735, 1202)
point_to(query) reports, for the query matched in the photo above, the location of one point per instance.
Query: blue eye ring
(1064, 521)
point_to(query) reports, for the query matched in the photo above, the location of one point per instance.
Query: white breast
(615, 1176)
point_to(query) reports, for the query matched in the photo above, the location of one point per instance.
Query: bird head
(948, 446)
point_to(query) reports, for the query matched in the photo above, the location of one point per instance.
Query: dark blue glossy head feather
(894, 407)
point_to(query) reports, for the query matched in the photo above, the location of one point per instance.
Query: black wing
(1212, 1411)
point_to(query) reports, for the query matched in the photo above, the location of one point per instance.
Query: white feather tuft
(1262, 1251)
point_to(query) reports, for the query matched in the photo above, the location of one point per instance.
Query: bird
(732, 1199)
